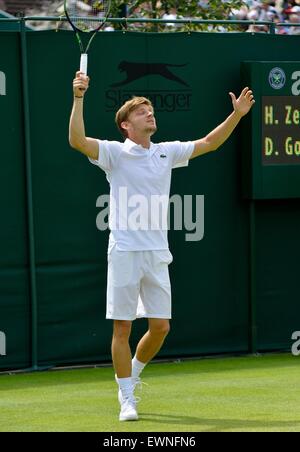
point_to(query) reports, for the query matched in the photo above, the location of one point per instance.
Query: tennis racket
(86, 16)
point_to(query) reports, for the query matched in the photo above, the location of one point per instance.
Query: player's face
(142, 120)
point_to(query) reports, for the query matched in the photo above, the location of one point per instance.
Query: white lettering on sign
(2, 344)
(2, 84)
(296, 85)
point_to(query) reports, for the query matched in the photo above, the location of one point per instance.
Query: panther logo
(134, 71)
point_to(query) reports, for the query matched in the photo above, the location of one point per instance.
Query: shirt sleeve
(108, 155)
(180, 152)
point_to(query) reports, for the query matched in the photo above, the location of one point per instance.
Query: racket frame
(84, 51)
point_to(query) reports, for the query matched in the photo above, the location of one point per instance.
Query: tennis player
(138, 170)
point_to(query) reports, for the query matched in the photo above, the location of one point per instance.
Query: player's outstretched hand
(244, 103)
(80, 84)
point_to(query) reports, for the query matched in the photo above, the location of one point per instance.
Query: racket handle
(83, 63)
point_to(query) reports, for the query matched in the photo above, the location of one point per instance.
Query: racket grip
(83, 63)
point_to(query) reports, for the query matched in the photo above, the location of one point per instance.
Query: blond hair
(129, 106)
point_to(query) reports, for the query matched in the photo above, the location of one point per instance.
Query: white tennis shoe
(135, 381)
(128, 409)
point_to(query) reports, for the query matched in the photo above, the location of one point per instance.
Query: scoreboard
(281, 130)
(271, 131)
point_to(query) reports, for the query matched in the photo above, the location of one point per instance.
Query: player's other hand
(80, 84)
(243, 104)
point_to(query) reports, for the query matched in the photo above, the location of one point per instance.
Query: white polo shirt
(140, 182)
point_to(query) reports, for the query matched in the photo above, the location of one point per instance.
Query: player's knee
(122, 330)
(160, 327)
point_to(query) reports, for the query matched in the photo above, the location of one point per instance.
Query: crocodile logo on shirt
(163, 156)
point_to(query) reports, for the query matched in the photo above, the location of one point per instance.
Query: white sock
(137, 367)
(126, 386)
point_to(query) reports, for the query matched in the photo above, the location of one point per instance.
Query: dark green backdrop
(210, 278)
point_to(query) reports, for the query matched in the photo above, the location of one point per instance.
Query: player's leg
(121, 356)
(150, 344)
(122, 299)
(155, 304)
(121, 353)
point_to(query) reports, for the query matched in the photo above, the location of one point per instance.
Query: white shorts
(138, 284)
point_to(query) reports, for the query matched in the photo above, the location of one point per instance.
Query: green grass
(230, 394)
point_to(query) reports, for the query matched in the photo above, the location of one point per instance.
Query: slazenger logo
(176, 98)
(135, 71)
(2, 344)
(2, 84)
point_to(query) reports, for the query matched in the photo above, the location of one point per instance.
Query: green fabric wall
(210, 278)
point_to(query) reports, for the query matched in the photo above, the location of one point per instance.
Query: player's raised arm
(220, 134)
(77, 138)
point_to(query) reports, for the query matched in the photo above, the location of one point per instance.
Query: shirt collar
(129, 144)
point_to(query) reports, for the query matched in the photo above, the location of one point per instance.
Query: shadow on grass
(216, 425)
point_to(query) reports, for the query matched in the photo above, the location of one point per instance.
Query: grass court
(251, 393)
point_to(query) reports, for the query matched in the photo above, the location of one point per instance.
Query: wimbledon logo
(277, 78)
(2, 84)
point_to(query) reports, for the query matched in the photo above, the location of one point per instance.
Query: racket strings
(85, 14)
